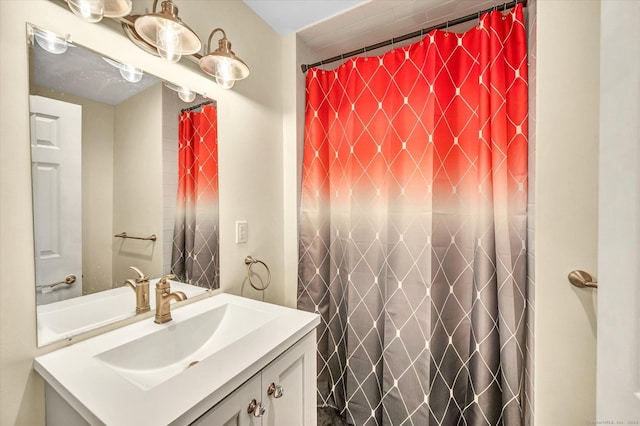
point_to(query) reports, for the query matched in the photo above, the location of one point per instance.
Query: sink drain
(192, 363)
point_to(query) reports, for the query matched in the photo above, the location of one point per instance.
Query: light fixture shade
(117, 8)
(225, 84)
(94, 10)
(50, 42)
(223, 62)
(185, 94)
(89, 10)
(167, 23)
(128, 72)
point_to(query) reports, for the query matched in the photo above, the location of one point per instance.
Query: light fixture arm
(224, 37)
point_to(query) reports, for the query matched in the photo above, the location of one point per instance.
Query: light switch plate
(242, 233)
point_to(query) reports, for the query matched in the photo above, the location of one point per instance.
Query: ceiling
(329, 30)
(289, 16)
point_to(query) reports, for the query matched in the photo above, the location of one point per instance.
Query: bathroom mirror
(105, 165)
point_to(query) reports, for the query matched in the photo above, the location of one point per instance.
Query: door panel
(56, 156)
(618, 375)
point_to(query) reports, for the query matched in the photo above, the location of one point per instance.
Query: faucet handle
(164, 284)
(141, 275)
(167, 277)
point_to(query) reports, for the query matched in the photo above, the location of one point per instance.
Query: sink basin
(156, 357)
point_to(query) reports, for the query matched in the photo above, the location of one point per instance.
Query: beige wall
(566, 215)
(251, 162)
(137, 189)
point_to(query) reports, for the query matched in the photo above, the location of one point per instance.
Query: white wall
(566, 209)
(137, 188)
(251, 162)
(619, 271)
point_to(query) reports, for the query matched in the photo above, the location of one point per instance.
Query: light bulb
(225, 83)
(224, 69)
(130, 73)
(89, 10)
(169, 40)
(50, 42)
(186, 95)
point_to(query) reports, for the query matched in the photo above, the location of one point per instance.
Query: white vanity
(224, 360)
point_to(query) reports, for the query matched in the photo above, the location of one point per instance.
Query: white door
(618, 376)
(56, 169)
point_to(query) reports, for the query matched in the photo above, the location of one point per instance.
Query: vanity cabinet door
(289, 386)
(232, 411)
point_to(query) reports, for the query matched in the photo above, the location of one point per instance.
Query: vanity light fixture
(223, 64)
(50, 41)
(186, 95)
(128, 72)
(166, 32)
(94, 10)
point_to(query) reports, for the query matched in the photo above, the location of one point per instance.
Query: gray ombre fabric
(413, 229)
(195, 252)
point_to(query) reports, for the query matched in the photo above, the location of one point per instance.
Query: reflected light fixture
(50, 41)
(94, 10)
(223, 64)
(128, 72)
(185, 95)
(167, 33)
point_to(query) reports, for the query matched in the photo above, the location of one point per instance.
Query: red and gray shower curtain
(413, 229)
(195, 254)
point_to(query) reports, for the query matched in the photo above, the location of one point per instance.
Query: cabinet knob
(256, 408)
(275, 390)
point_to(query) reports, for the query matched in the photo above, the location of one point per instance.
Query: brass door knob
(275, 390)
(256, 408)
(582, 279)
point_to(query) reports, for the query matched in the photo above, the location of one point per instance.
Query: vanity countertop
(81, 374)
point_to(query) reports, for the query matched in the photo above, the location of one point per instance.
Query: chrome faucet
(164, 298)
(141, 287)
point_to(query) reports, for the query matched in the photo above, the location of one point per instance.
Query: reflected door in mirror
(56, 136)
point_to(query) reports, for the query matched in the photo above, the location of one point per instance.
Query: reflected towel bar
(151, 237)
(69, 279)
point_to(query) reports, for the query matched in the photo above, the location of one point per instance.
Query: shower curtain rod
(414, 34)
(191, 108)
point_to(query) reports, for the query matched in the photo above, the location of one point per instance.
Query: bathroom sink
(153, 358)
(148, 373)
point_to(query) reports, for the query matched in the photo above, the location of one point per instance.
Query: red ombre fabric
(195, 245)
(413, 228)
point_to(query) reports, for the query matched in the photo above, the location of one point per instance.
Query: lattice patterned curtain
(413, 229)
(195, 257)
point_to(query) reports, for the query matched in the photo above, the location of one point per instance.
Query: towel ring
(250, 261)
